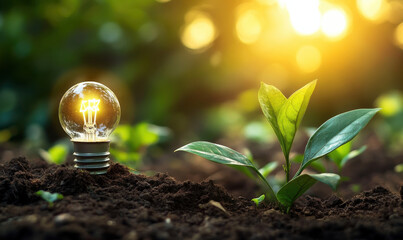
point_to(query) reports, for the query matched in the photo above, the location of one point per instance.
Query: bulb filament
(90, 108)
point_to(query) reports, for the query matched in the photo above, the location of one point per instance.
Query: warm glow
(304, 15)
(308, 59)
(248, 27)
(370, 9)
(200, 32)
(334, 23)
(399, 35)
(90, 108)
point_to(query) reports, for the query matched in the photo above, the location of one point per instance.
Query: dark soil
(121, 205)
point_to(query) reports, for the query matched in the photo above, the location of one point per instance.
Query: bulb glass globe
(89, 112)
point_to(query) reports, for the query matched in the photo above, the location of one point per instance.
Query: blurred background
(190, 70)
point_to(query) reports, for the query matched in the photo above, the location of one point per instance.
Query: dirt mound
(121, 205)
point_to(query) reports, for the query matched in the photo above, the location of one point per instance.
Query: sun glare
(308, 59)
(304, 15)
(198, 33)
(334, 23)
(248, 27)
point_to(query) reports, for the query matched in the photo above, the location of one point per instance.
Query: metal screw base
(92, 156)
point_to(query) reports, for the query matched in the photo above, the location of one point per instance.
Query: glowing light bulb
(88, 113)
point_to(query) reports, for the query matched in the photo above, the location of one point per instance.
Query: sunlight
(248, 27)
(308, 59)
(334, 23)
(198, 33)
(370, 9)
(399, 35)
(304, 15)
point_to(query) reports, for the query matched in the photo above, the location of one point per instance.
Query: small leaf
(297, 186)
(225, 155)
(339, 153)
(292, 112)
(49, 197)
(217, 153)
(271, 100)
(258, 200)
(317, 165)
(334, 133)
(352, 154)
(268, 168)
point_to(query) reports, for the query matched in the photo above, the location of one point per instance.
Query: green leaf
(217, 153)
(334, 133)
(225, 155)
(258, 200)
(297, 186)
(271, 100)
(317, 165)
(49, 197)
(56, 154)
(352, 154)
(268, 168)
(292, 112)
(340, 153)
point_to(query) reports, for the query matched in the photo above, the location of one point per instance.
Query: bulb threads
(92, 156)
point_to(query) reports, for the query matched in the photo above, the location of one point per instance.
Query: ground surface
(120, 205)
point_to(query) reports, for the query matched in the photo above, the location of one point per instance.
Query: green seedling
(49, 197)
(56, 154)
(131, 142)
(258, 200)
(285, 116)
(341, 155)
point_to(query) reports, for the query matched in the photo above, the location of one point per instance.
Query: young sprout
(285, 115)
(49, 197)
(258, 200)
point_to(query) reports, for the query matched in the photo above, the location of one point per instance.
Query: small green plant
(49, 197)
(285, 116)
(57, 154)
(258, 200)
(131, 142)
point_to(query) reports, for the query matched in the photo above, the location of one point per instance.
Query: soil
(121, 205)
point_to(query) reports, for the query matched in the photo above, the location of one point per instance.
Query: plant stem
(287, 167)
(269, 190)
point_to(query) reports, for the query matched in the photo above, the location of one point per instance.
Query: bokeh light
(399, 35)
(334, 23)
(304, 15)
(308, 59)
(199, 31)
(248, 27)
(371, 9)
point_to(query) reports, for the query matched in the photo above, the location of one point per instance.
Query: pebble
(63, 218)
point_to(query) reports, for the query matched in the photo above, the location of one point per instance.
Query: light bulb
(88, 113)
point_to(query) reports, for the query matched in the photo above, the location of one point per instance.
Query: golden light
(399, 35)
(308, 59)
(199, 32)
(334, 23)
(248, 27)
(371, 9)
(304, 15)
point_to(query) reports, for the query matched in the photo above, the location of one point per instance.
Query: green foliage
(56, 154)
(49, 197)
(131, 142)
(335, 132)
(399, 168)
(225, 155)
(297, 186)
(285, 116)
(341, 155)
(258, 200)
